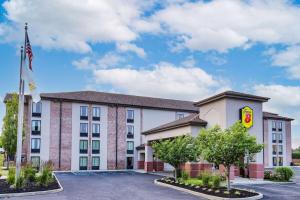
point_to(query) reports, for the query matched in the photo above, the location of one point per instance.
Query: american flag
(28, 51)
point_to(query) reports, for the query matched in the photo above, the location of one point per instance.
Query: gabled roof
(232, 95)
(120, 99)
(192, 119)
(269, 115)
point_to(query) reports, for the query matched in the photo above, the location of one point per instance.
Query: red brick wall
(288, 137)
(111, 137)
(54, 133)
(122, 145)
(66, 136)
(266, 143)
(27, 129)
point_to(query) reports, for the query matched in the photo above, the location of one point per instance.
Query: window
(83, 146)
(84, 112)
(95, 146)
(35, 145)
(279, 137)
(179, 116)
(279, 126)
(130, 116)
(280, 161)
(36, 109)
(35, 161)
(130, 147)
(129, 163)
(274, 161)
(130, 131)
(36, 127)
(96, 130)
(274, 137)
(280, 149)
(273, 126)
(83, 160)
(95, 163)
(83, 129)
(96, 113)
(274, 149)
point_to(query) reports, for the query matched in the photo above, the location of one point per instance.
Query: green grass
(193, 181)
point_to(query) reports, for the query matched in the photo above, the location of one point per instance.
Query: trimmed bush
(20, 182)
(29, 173)
(206, 178)
(11, 176)
(284, 173)
(267, 175)
(216, 181)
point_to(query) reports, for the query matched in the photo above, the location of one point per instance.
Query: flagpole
(20, 114)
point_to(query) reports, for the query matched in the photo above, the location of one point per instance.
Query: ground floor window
(83, 146)
(129, 162)
(280, 161)
(274, 161)
(95, 163)
(83, 161)
(95, 146)
(35, 161)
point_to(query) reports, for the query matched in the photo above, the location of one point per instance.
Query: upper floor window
(279, 126)
(130, 147)
(84, 112)
(279, 137)
(179, 115)
(83, 146)
(95, 163)
(273, 125)
(36, 109)
(96, 130)
(83, 129)
(130, 131)
(274, 139)
(83, 161)
(36, 127)
(130, 116)
(35, 145)
(95, 146)
(96, 113)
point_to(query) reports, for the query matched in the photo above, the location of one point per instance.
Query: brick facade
(288, 140)
(27, 130)
(54, 133)
(122, 145)
(111, 137)
(266, 145)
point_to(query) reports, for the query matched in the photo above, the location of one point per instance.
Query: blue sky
(171, 49)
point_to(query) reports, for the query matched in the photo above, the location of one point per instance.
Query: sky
(186, 50)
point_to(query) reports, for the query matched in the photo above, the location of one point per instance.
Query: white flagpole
(20, 119)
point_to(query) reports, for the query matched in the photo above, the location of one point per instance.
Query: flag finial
(26, 24)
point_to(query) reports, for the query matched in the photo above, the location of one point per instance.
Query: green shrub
(296, 155)
(284, 173)
(11, 176)
(29, 173)
(184, 175)
(267, 175)
(216, 181)
(206, 178)
(46, 176)
(20, 182)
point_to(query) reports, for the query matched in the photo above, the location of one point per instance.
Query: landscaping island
(208, 191)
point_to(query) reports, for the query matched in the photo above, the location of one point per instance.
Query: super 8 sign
(246, 116)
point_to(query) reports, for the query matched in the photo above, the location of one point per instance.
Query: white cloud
(109, 60)
(223, 25)
(75, 25)
(123, 47)
(216, 59)
(289, 59)
(285, 100)
(164, 80)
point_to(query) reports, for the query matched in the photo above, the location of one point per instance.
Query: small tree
(227, 147)
(176, 151)
(10, 125)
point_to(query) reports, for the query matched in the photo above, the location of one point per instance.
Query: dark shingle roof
(232, 95)
(268, 115)
(192, 119)
(121, 99)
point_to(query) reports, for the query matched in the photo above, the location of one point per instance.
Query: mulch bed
(30, 187)
(219, 192)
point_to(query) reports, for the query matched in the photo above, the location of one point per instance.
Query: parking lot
(136, 186)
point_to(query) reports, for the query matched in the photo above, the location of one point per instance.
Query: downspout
(59, 141)
(116, 137)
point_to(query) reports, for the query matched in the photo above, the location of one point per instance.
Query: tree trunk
(7, 161)
(176, 172)
(228, 178)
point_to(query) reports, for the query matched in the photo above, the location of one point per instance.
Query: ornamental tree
(176, 151)
(10, 125)
(227, 147)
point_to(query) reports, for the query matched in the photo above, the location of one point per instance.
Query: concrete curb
(21, 194)
(206, 196)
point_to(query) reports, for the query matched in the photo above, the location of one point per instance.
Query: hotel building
(90, 130)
